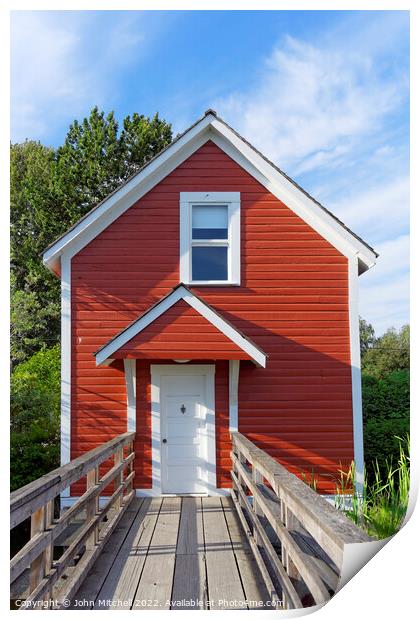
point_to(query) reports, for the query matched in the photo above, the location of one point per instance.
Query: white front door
(186, 428)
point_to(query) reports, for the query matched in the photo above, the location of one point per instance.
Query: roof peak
(210, 111)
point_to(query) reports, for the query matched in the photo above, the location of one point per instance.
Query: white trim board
(209, 128)
(233, 394)
(130, 383)
(105, 354)
(356, 377)
(159, 370)
(65, 360)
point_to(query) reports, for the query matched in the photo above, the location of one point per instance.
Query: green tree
(386, 394)
(386, 416)
(50, 190)
(36, 219)
(141, 139)
(35, 417)
(89, 165)
(389, 352)
(34, 324)
(94, 160)
(367, 336)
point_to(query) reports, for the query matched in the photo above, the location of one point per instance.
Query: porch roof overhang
(110, 350)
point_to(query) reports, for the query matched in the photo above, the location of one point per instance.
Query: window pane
(210, 222)
(209, 263)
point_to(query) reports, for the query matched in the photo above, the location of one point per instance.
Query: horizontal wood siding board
(292, 302)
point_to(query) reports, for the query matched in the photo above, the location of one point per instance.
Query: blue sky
(324, 94)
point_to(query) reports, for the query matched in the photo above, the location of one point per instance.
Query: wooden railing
(51, 582)
(297, 537)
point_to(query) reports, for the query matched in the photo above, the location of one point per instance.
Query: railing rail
(36, 500)
(277, 509)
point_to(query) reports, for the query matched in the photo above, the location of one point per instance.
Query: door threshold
(184, 495)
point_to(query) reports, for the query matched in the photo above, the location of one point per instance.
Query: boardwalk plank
(157, 577)
(122, 580)
(191, 537)
(190, 583)
(224, 584)
(190, 587)
(91, 586)
(252, 581)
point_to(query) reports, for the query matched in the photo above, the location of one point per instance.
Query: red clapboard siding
(180, 333)
(292, 302)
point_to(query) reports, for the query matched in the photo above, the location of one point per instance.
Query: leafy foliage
(367, 336)
(386, 395)
(50, 190)
(35, 417)
(388, 353)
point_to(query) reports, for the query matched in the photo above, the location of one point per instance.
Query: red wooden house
(211, 293)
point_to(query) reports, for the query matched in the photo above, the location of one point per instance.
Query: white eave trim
(209, 128)
(160, 308)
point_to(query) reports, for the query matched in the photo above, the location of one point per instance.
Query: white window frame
(233, 202)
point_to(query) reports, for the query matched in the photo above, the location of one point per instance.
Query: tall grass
(380, 507)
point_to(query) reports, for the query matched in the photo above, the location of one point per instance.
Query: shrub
(386, 414)
(35, 417)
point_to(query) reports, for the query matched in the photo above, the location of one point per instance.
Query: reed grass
(381, 505)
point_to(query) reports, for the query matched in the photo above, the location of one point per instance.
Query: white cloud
(384, 290)
(312, 104)
(62, 63)
(42, 72)
(377, 211)
(333, 113)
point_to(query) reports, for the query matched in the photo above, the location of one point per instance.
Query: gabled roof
(210, 127)
(104, 354)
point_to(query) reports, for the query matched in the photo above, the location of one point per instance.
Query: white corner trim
(182, 293)
(65, 421)
(130, 382)
(233, 201)
(157, 371)
(233, 395)
(356, 380)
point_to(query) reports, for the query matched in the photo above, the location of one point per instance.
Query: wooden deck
(274, 543)
(175, 553)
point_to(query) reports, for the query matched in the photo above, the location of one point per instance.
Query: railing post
(38, 565)
(289, 522)
(242, 460)
(92, 508)
(257, 478)
(130, 468)
(118, 459)
(49, 551)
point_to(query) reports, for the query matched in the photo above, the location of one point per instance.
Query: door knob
(164, 440)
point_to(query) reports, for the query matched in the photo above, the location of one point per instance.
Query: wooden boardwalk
(175, 553)
(274, 543)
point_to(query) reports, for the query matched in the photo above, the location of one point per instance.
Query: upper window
(210, 238)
